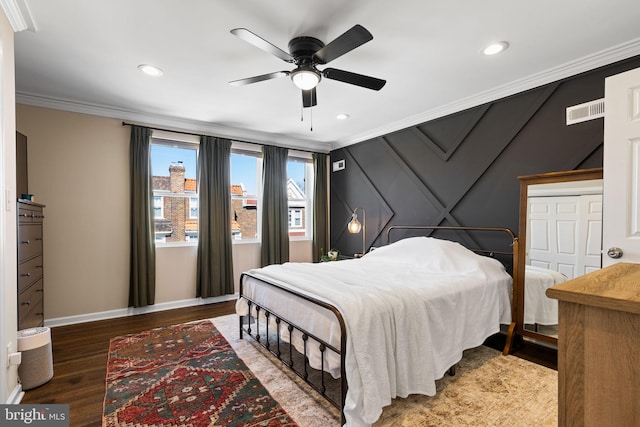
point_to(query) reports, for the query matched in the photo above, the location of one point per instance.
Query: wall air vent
(587, 111)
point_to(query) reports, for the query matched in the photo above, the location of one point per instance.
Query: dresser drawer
(29, 241)
(28, 272)
(24, 214)
(30, 299)
(33, 318)
(29, 214)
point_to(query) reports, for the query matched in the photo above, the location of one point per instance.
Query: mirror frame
(525, 182)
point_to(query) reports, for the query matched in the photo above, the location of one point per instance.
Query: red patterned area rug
(184, 375)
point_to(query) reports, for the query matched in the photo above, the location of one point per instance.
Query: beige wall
(8, 285)
(79, 168)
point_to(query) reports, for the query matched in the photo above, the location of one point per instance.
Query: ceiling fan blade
(261, 43)
(351, 39)
(260, 78)
(354, 79)
(309, 98)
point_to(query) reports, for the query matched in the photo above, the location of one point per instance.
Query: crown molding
(169, 123)
(18, 14)
(587, 63)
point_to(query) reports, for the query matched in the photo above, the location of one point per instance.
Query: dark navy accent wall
(462, 169)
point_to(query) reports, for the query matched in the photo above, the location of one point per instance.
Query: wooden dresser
(599, 347)
(30, 265)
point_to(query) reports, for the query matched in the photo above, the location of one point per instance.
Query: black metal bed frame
(286, 357)
(323, 346)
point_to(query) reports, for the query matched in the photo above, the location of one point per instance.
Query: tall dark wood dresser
(30, 265)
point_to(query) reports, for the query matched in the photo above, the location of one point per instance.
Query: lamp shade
(354, 225)
(305, 79)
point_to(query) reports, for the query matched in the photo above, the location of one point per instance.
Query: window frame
(174, 140)
(197, 206)
(252, 150)
(161, 206)
(309, 176)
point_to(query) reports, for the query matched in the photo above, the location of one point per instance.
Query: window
(193, 208)
(175, 190)
(300, 196)
(158, 204)
(175, 196)
(246, 186)
(295, 218)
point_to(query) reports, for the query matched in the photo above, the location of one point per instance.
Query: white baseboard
(16, 395)
(131, 311)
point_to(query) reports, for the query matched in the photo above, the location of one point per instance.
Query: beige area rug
(488, 390)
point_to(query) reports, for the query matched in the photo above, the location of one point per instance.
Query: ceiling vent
(587, 111)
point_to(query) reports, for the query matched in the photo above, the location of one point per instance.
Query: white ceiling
(83, 56)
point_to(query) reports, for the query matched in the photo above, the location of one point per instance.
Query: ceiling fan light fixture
(305, 79)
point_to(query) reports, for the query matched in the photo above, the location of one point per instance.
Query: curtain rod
(198, 134)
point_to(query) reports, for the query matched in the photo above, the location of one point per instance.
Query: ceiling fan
(308, 52)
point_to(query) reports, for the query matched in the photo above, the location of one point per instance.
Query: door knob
(614, 252)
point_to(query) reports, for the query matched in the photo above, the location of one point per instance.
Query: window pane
(175, 191)
(245, 172)
(244, 219)
(175, 225)
(299, 202)
(296, 172)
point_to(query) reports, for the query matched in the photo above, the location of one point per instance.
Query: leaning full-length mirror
(560, 239)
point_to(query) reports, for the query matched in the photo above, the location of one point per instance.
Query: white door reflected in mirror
(563, 241)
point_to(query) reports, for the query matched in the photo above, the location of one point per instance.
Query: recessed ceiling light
(150, 70)
(495, 48)
(342, 116)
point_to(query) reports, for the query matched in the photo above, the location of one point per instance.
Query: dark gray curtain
(275, 208)
(142, 283)
(320, 207)
(215, 262)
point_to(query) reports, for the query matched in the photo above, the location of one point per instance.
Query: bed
(386, 325)
(538, 308)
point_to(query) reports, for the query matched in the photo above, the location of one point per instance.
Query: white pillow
(428, 254)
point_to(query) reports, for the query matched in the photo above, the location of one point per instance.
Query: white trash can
(36, 367)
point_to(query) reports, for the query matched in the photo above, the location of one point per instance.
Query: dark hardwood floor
(528, 350)
(80, 358)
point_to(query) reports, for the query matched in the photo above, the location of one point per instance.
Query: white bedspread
(410, 309)
(538, 308)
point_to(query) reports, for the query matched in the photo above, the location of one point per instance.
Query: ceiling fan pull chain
(311, 112)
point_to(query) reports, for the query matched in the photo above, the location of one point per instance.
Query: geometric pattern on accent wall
(462, 169)
(429, 183)
(378, 212)
(444, 145)
(484, 158)
(444, 195)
